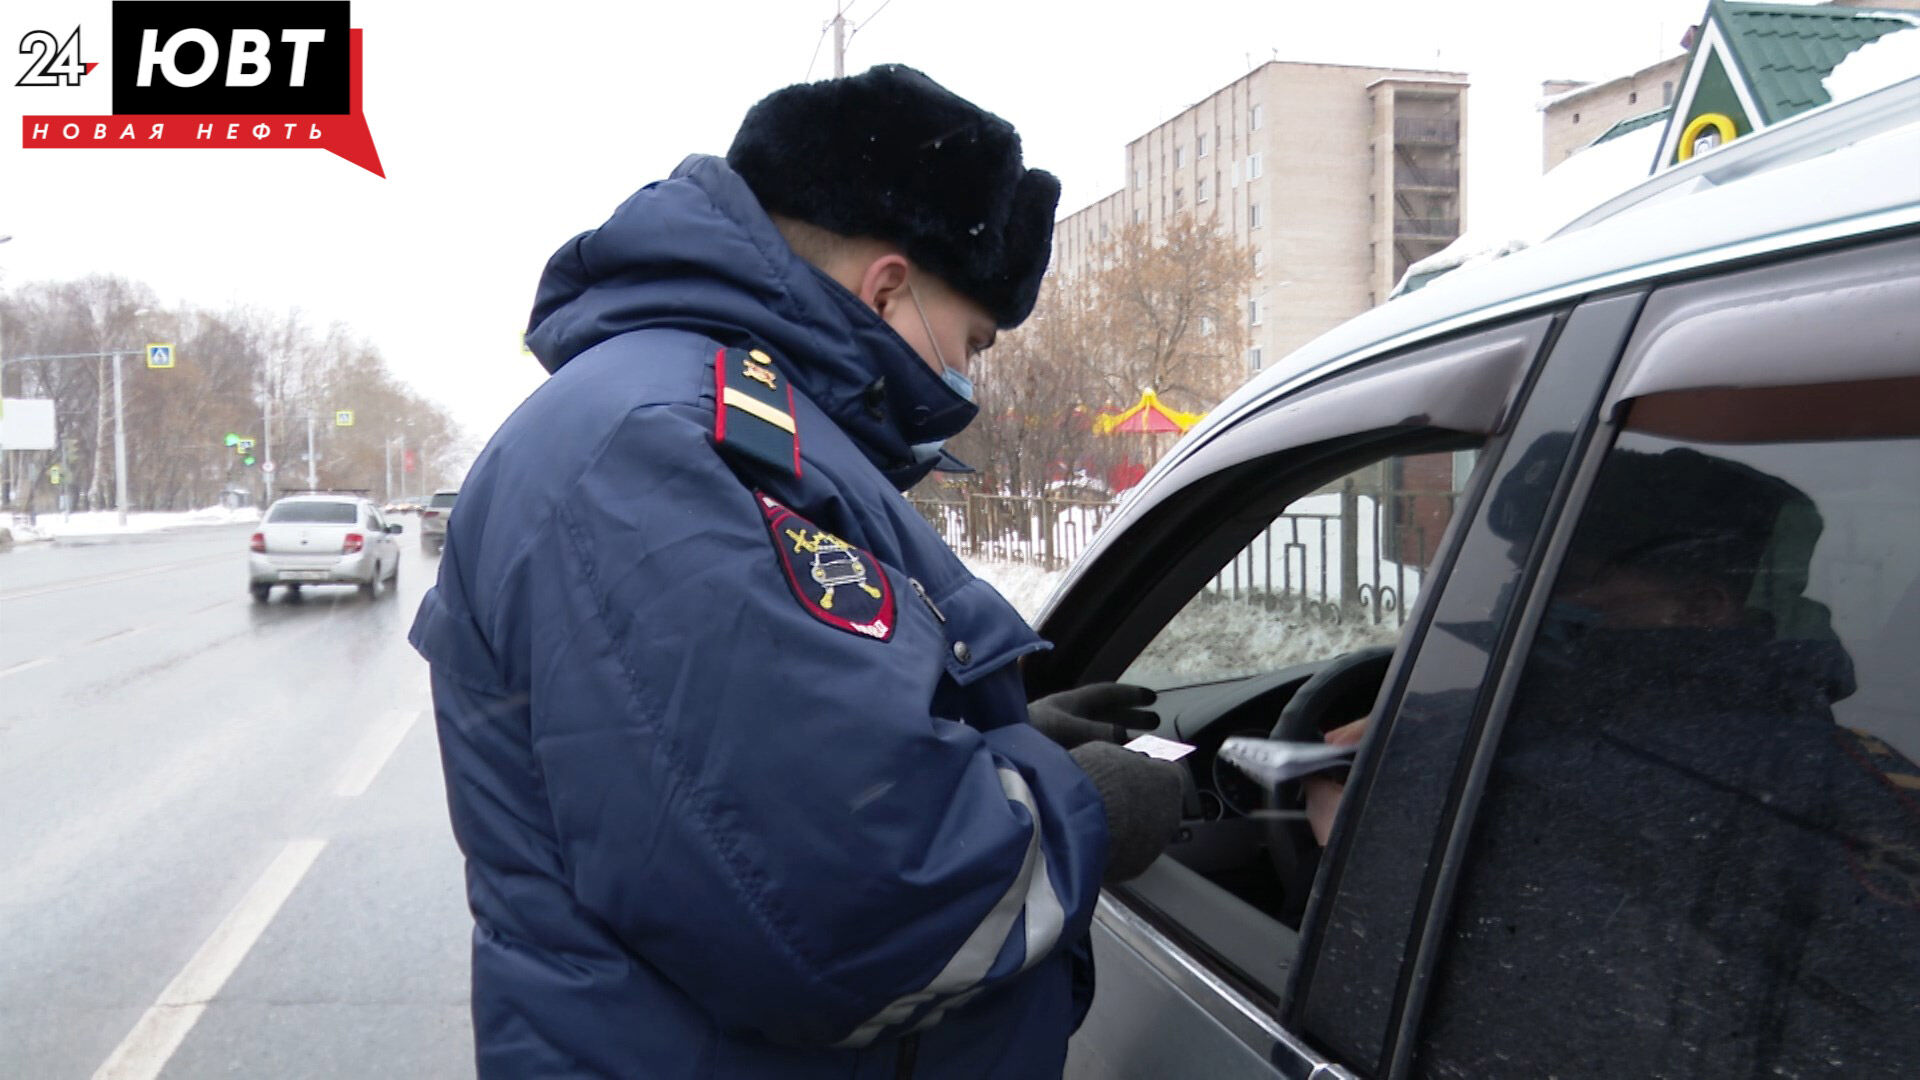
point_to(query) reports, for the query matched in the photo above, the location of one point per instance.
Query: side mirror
(396, 530)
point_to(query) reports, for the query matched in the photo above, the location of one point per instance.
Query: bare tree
(1161, 314)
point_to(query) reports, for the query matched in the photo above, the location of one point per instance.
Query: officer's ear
(883, 282)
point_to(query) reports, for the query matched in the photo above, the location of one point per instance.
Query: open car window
(1336, 570)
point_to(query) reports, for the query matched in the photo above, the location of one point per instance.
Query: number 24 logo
(54, 63)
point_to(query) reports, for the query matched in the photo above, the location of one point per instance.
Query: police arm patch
(837, 583)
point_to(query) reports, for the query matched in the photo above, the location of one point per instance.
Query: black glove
(1096, 712)
(1142, 797)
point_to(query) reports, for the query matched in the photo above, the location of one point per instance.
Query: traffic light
(232, 439)
(248, 460)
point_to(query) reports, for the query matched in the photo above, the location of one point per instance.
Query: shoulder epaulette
(753, 410)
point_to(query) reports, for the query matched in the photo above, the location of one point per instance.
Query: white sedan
(323, 540)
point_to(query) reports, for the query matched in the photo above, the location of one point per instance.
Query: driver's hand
(1323, 795)
(1096, 712)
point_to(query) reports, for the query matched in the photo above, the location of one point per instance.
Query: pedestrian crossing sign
(343, 418)
(160, 356)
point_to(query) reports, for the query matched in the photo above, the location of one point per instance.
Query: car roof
(1860, 180)
(322, 498)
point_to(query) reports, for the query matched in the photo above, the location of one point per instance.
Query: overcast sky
(506, 128)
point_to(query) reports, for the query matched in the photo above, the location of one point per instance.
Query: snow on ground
(1025, 585)
(1213, 637)
(53, 525)
(1217, 637)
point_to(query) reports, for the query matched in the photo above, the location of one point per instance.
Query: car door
(1688, 841)
(1302, 556)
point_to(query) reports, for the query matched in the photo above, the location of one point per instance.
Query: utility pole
(312, 481)
(119, 445)
(266, 444)
(387, 446)
(839, 41)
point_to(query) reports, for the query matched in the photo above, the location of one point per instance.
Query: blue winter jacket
(737, 799)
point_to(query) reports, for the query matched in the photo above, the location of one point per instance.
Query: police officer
(736, 749)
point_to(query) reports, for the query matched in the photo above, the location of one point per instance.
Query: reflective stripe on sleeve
(1031, 892)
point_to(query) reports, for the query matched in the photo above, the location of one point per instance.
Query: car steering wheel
(1340, 692)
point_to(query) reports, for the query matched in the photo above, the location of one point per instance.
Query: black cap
(892, 155)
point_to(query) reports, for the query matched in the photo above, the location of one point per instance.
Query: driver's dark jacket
(708, 833)
(1699, 873)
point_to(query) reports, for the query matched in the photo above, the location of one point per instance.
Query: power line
(816, 51)
(868, 19)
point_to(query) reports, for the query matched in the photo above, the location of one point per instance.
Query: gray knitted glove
(1142, 798)
(1096, 712)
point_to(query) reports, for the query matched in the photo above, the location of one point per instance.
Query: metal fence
(1040, 530)
(1365, 561)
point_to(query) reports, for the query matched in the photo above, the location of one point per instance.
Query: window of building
(1253, 215)
(1139, 178)
(1633, 98)
(1253, 311)
(1179, 198)
(1259, 260)
(1253, 358)
(1253, 118)
(1139, 215)
(1199, 146)
(1105, 231)
(1576, 118)
(1253, 166)
(1666, 93)
(1200, 190)
(1179, 156)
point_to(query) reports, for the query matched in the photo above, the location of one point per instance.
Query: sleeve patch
(836, 583)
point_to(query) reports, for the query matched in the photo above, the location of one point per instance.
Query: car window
(1701, 832)
(313, 513)
(444, 500)
(1336, 570)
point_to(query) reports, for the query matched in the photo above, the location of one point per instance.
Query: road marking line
(108, 579)
(122, 632)
(25, 665)
(371, 755)
(162, 1028)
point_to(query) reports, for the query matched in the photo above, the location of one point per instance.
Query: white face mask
(955, 381)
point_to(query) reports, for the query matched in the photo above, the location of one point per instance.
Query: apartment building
(1575, 114)
(1335, 177)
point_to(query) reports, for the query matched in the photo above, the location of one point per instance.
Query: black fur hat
(892, 155)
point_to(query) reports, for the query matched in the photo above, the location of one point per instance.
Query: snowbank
(1025, 586)
(54, 525)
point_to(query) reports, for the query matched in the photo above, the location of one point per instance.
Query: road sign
(54, 475)
(343, 418)
(160, 355)
(245, 444)
(267, 468)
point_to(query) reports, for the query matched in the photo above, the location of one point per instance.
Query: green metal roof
(1786, 51)
(1633, 123)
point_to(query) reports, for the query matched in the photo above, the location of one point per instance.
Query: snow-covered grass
(1214, 636)
(53, 525)
(1025, 585)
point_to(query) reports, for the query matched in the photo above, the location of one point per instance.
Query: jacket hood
(696, 252)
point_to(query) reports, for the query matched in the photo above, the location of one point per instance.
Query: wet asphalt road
(223, 838)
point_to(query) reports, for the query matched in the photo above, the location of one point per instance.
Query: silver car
(433, 520)
(323, 540)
